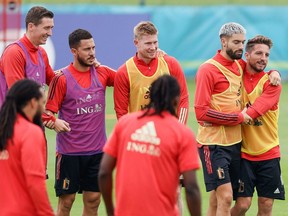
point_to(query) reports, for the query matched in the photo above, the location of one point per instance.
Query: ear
(30, 26)
(73, 51)
(247, 55)
(33, 103)
(136, 42)
(224, 41)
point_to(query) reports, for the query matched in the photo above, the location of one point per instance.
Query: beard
(37, 119)
(234, 55)
(83, 63)
(254, 67)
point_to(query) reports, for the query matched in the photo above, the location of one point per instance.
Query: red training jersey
(122, 85)
(13, 61)
(22, 165)
(151, 153)
(210, 80)
(268, 100)
(57, 90)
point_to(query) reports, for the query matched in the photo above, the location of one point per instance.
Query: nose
(49, 32)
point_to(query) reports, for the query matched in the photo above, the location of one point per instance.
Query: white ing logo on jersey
(87, 109)
(145, 140)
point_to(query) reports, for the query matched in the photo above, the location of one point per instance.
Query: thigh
(215, 166)
(269, 180)
(247, 178)
(234, 152)
(89, 172)
(67, 174)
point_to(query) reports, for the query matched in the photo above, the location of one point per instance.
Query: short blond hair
(144, 28)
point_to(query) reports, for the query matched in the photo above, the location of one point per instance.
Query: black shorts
(265, 176)
(76, 173)
(221, 165)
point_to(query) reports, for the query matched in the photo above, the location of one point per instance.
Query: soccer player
(260, 164)
(218, 111)
(22, 152)
(25, 58)
(150, 149)
(78, 93)
(133, 79)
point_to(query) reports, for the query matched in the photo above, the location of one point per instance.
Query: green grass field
(280, 207)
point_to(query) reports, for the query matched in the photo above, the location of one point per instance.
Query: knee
(93, 200)
(66, 202)
(226, 199)
(243, 205)
(265, 204)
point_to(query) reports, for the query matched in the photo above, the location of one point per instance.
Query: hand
(61, 126)
(58, 71)
(205, 124)
(275, 78)
(160, 53)
(49, 124)
(96, 63)
(247, 118)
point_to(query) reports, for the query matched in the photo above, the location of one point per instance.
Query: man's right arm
(13, 64)
(193, 196)
(205, 82)
(56, 94)
(121, 92)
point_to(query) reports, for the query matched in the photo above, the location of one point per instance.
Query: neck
(28, 112)
(146, 60)
(80, 67)
(30, 39)
(250, 70)
(224, 54)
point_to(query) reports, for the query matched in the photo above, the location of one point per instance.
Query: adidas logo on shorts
(277, 191)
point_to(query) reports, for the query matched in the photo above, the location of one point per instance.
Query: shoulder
(171, 59)
(32, 131)
(59, 78)
(105, 69)
(129, 117)
(13, 49)
(121, 73)
(177, 129)
(122, 69)
(206, 68)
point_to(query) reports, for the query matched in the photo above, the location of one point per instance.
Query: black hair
(16, 99)
(35, 15)
(76, 36)
(164, 93)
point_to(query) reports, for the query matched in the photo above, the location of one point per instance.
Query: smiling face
(257, 58)
(147, 46)
(38, 34)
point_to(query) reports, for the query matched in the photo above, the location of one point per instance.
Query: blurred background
(188, 30)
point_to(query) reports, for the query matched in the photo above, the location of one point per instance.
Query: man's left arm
(268, 100)
(274, 77)
(49, 73)
(105, 181)
(176, 71)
